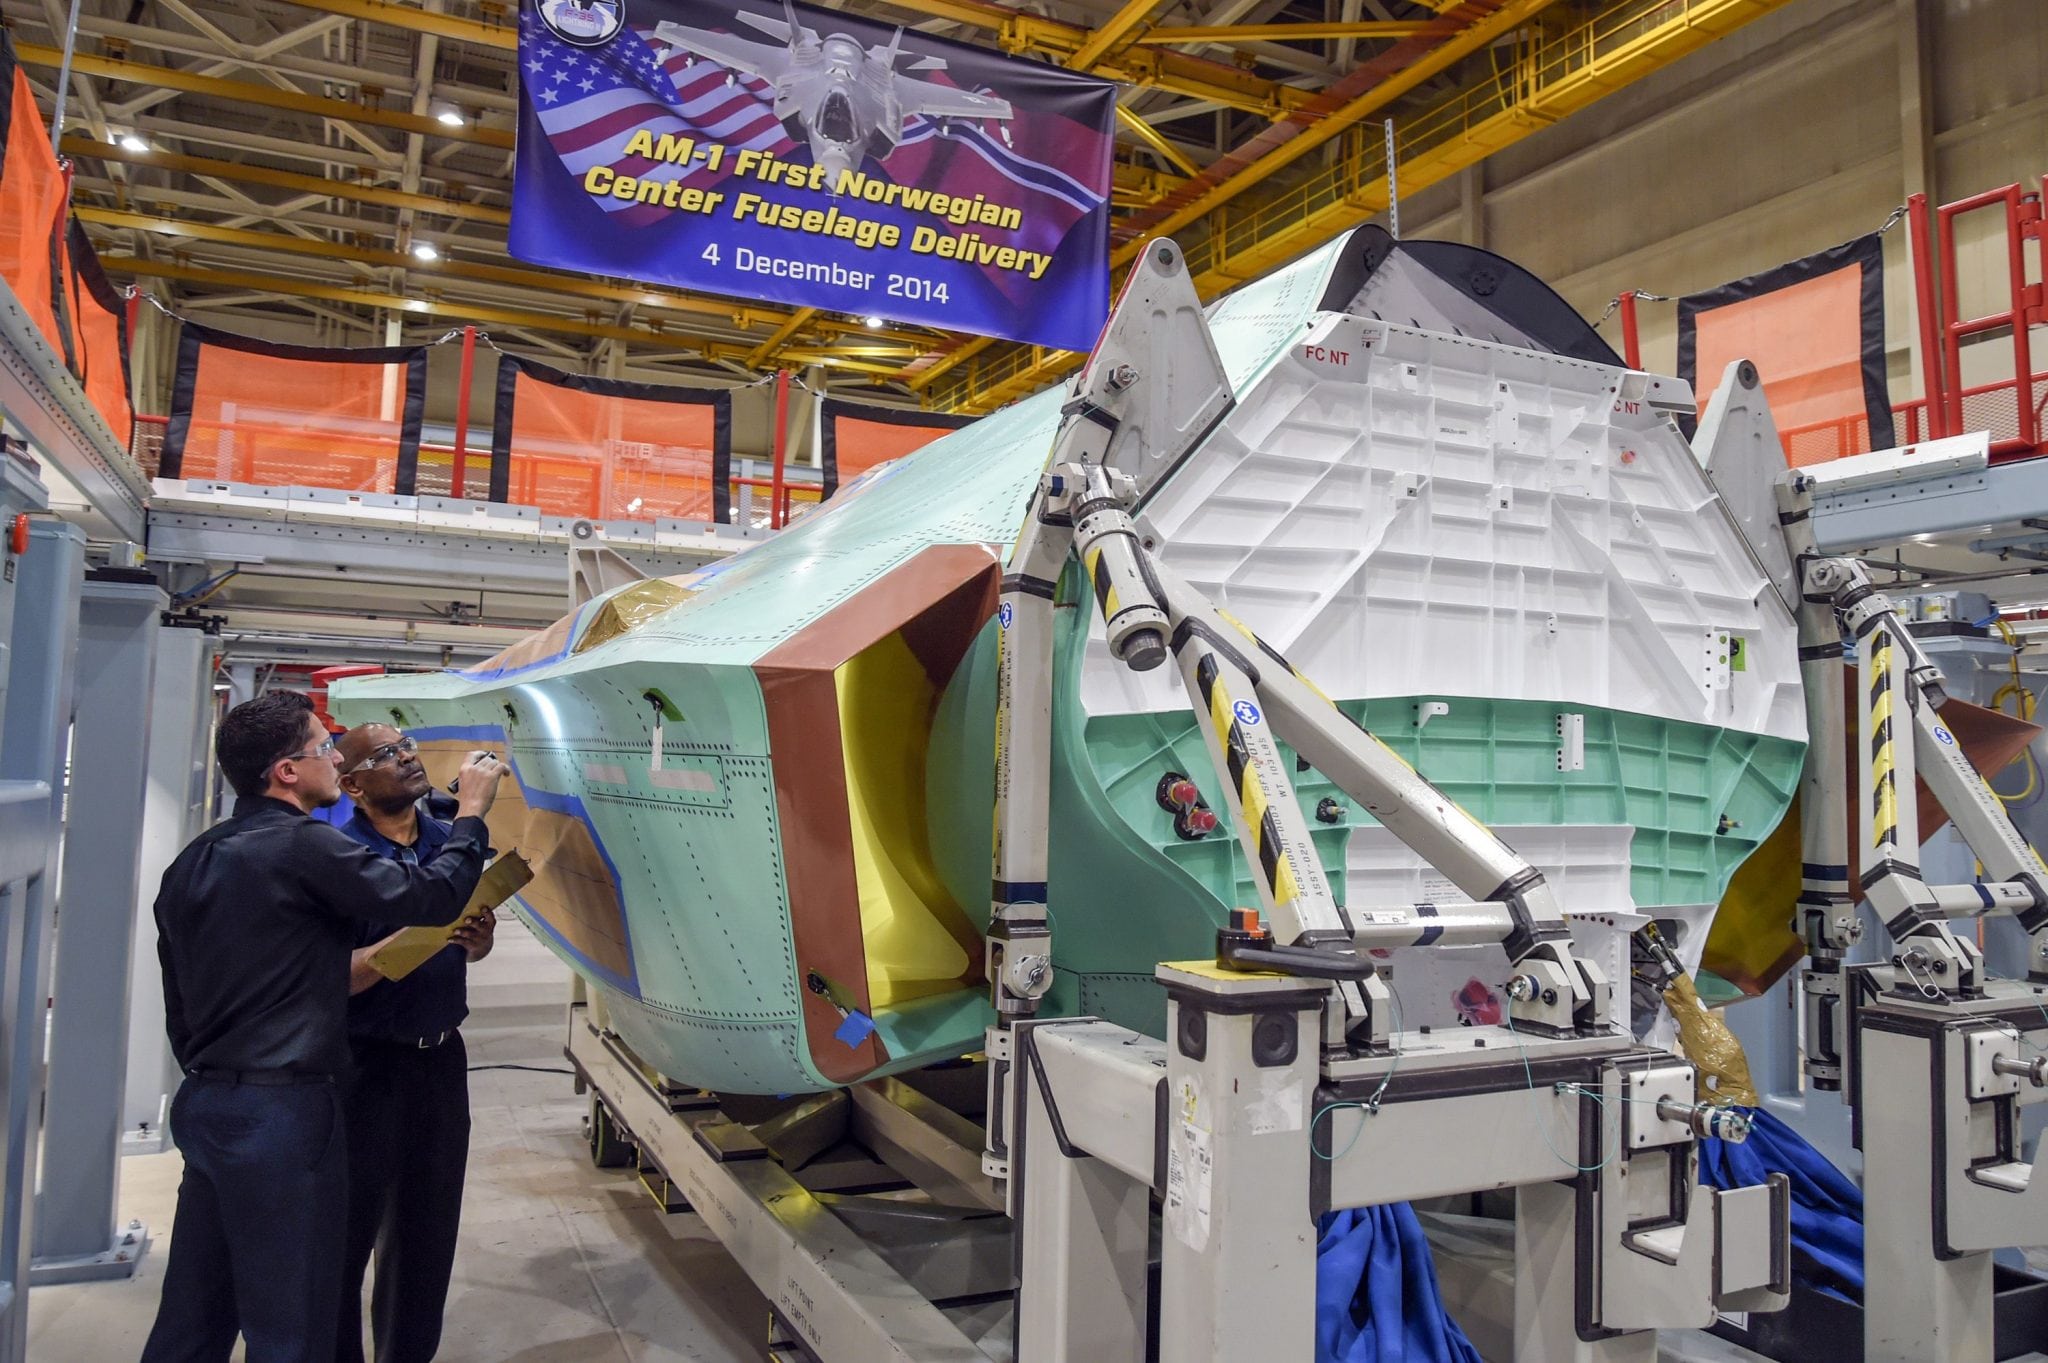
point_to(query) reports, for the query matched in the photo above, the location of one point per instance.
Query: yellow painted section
(1251, 796)
(1109, 599)
(1209, 970)
(914, 933)
(1219, 713)
(1885, 821)
(1240, 626)
(1751, 943)
(1881, 708)
(1285, 890)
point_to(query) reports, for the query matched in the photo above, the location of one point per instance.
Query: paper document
(410, 949)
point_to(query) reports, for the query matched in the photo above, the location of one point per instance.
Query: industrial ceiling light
(133, 142)
(425, 250)
(448, 115)
(874, 322)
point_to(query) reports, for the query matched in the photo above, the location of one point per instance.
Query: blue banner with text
(816, 159)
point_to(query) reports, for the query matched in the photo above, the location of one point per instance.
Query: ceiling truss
(293, 162)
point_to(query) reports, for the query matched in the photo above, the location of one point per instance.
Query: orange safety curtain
(250, 411)
(1815, 330)
(609, 449)
(34, 194)
(101, 314)
(854, 437)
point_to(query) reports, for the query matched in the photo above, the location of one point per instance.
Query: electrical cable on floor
(530, 1069)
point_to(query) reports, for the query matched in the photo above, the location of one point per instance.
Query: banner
(1815, 329)
(816, 159)
(854, 437)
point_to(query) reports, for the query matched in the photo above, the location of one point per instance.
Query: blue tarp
(1827, 1209)
(1376, 1292)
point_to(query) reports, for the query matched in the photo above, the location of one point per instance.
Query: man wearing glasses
(256, 921)
(408, 1102)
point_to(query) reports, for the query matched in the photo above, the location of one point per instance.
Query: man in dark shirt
(255, 922)
(408, 1102)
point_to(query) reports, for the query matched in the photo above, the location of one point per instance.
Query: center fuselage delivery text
(950, 211)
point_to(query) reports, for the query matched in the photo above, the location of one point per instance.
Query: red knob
(1201, 820)
(17, 536)
(1183, 793)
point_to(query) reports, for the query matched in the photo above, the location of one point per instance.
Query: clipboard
(409, 949)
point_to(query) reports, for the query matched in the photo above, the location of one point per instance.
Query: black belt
(408, 1043)
(263, 1078)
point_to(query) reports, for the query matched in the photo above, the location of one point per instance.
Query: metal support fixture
(458, 474)
(64, 78)
(174, 811)
(1393, 186)
(775, 492)
(1631, 334)
(1927, 1035)
(1240, 1079)
(75, 1233)
(1949, 1192)
(38, 622)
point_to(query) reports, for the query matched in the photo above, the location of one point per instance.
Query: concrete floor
(560, 1262)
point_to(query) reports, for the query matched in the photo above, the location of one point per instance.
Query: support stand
(76, 1233)
(39, 621)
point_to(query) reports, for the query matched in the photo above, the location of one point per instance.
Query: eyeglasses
(325, 749)
(390, 752)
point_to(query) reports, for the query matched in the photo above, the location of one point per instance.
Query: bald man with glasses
(407, 1102)
(256, 923)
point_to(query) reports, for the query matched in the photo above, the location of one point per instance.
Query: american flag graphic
(591, 100)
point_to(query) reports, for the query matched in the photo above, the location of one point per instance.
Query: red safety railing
(2022, 221)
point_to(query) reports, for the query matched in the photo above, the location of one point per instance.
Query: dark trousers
(408, 1135)
(266, 1175)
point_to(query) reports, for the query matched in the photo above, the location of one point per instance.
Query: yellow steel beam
(472, 312)
(479, 32)
(1110, 35)
(1284, 33)
(1179, 72)
(1560, 74)
(758, 358)
(267, 96)
(79, 145)
(1152, 138)
(577, 286)
(1314, 135)
(1260, 172)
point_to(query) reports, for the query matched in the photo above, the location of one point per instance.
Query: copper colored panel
(549, 644)
(443, 757)
(958, 585)
(572, 889)
(817, 858)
